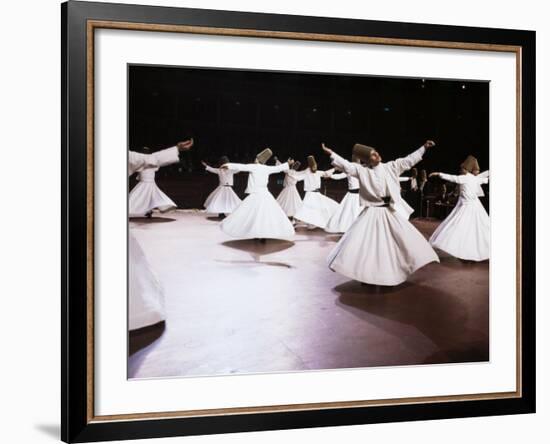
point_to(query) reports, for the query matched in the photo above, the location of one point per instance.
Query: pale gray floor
(242, 307)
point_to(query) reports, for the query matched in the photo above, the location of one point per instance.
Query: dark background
(238, 113)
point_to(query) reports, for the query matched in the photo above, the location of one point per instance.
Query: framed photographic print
(277, 221)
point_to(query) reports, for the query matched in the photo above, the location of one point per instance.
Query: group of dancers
(379, 245)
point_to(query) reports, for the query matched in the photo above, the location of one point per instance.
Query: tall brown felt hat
(223, 160)
(362, 152)
(470, 164)
(264, 156)
(312, 163)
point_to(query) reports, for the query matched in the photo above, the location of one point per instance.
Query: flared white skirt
(147, 196)
(259, 216)
(345, 215)
(381, 248)
(289, 199)
(316, 209)
(465, 233)
(223, 200)
(146, 296)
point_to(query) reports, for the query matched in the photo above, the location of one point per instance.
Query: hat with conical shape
(264, 156)
(312, 163)
(470, 164)
(223, 160)
(296, 165)
(362, 152)
(414, 172)
(423, 176)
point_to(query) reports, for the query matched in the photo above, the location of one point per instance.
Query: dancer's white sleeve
(139, 161)
(298, 175)
(212, 170)
(350, 168)
(452, 178)
(406, 163)
(484, 175)
(273, 169)
(338, 176)
(237, 167)
(167, 156)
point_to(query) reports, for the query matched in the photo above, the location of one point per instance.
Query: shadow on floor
(151, 220)
(143, 337)
(438, 315)
(259, 248)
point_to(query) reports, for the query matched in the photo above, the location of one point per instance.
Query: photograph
(283, 221)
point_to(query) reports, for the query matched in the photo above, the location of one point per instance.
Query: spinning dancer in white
(289, 199)
(465, 233)
(147, 196)
(380, 248)
(316, 209)
(259, 216)
(146, 296)
(350, 206)
(222, 200)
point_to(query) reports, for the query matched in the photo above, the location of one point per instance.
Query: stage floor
(238, 306)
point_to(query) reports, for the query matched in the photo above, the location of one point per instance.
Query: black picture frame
(77, 425)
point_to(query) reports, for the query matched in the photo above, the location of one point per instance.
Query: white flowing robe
(259, 216)
(223, 200)
(466, 231)
(349, 208)
(316, 209)
(147, 196)
(380, 247)
(289, 199)
(145, 294)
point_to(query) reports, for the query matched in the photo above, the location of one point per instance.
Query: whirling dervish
(259, 216)
(223, 200)
(380, 248)
(145, 293)
(465, 233)
(146, 196)
(350, 206)
(316, 209)
(289, 199)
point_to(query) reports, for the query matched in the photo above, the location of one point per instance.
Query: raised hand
(290, 161)
(326, 149)
(429, 144)
(185, 145)
(204, 164)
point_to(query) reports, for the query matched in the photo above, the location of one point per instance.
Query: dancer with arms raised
(223, 200)
(259, 216)
(466, 232)
(380, 248)
(146, 295)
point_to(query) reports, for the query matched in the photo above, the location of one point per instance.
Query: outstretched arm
(406, 163)
(449, 177)
(350, 168)
(171, 155)
(209, 168)
(139, 161)
(338, 176)
(273, 169)
(484, 175)
(238, 167)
